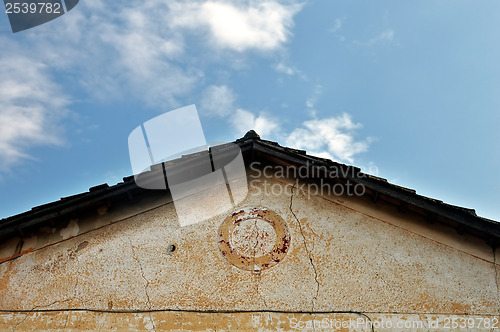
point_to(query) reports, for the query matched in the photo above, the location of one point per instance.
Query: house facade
(315, 245)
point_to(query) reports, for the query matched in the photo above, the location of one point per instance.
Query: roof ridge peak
(251, 134)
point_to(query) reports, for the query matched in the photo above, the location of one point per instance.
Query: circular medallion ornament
(254, 239)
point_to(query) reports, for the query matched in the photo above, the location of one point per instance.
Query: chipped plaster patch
(71, 230)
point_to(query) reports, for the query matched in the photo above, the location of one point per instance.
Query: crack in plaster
(256, 243)
(215, 325)
(76, 288)
(315, 298)
(74, 296)
(66, 322)
(246, 311)
(104, 322)
(35, 308)
(258, 276)
(447, 245)
(147, 284)
(369, 318)
(83, 233)
(496, 272)
(28, 312)
(263, 299)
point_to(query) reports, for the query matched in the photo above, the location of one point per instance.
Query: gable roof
(254, 148)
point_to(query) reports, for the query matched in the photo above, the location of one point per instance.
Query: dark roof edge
(464, 219)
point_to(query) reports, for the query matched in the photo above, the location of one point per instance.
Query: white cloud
(31, 107)
(218, 100)
(331, 138)
(244, 121)
(261, 25)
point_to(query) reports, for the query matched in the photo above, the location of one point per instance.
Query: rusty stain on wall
(254, 238)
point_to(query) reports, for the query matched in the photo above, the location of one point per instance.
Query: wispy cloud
(332, 138)
(31, 107)
(146, 55)
(337, 25)
(139, 49)
(135, 50)
(386, 36)
(217, 100)
(336, 29)
(281, 67)
(313, 99)
(117, 50)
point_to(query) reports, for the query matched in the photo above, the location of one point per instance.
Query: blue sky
(409, 91)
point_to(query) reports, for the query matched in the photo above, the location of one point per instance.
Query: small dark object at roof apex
(251, 134)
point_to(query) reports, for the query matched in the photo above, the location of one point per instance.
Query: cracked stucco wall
(348, 260)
